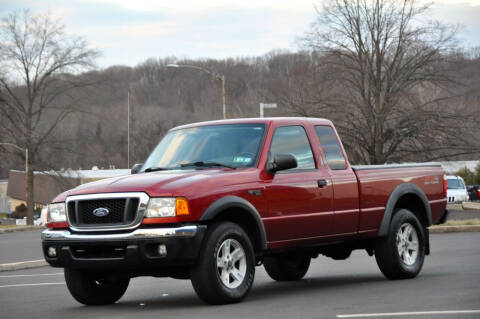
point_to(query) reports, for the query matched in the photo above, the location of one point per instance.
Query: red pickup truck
(215, 199)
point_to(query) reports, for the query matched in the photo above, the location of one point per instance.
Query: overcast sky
(129, 32)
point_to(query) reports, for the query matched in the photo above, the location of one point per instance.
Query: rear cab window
(331, 147)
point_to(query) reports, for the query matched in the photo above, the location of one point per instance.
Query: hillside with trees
(299, 83)
(397, 91)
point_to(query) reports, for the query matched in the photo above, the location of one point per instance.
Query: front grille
(121, 211)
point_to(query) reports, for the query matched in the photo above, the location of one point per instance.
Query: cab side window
(331, 148)
(293, 140)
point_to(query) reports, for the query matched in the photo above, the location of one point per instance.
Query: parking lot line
(40, 284)
(391, 314)
(13, 276)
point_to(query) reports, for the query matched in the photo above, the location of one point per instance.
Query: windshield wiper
(206, 164)
(154, 169)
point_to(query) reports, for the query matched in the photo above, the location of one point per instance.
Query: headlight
(56, 213)
(167, 207)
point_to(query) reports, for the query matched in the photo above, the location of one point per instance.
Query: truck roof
(264, 120)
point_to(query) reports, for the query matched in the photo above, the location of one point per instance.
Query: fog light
(52, 252)
(162, 250)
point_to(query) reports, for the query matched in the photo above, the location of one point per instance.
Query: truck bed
(377, 182)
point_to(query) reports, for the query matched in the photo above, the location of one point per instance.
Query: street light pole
(216, 76)
(26, 172)
(128, 129)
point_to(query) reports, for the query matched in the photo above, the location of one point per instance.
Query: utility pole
(27, 197)
(224, 110)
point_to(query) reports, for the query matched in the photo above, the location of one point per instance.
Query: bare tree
(37, 59)
(399, 92)
(298, 83)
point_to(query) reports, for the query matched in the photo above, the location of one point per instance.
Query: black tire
(286, 267)
(90, 288)
(401, 263)
(206, 274)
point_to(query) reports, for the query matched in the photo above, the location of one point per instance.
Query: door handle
(322, 183)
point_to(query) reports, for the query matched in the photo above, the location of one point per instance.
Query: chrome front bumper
(137, 249)
(141, 233)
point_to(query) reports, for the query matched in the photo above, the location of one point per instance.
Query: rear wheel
(225, 270)
(286, 267)
(91, 288)
(401, 254)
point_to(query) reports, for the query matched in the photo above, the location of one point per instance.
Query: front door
(300, 200)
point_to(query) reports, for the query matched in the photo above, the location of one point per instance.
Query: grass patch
(8, 226)
(455, 206)
(467, 222)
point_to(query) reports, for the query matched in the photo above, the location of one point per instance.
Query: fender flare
(228, 202)
(398, 192)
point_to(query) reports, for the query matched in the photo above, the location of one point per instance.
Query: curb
(471, 206)
(454, 229)
(21, 228)
(23, 265)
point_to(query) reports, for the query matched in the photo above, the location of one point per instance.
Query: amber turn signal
(181, 207)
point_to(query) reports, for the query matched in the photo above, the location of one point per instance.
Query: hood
(144, 182)
(164, 183)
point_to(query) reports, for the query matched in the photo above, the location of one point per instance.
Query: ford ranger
(216, 199)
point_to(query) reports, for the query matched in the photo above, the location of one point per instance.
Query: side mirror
(281, 162)
(136, 168)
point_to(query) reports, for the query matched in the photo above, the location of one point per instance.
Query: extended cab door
(345, 186)
(300, 200)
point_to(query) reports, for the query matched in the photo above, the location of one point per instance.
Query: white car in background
(42, 220)
(456, 190)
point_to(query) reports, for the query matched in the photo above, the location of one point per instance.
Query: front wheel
(225, 270)
(401, 254)
(91, 288)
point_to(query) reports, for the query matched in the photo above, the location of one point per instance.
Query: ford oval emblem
(100, 212)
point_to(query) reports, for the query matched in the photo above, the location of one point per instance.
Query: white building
(4, 199)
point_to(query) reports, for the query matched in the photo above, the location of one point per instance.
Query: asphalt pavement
(354, 288)
(26, 245)
(20, 246)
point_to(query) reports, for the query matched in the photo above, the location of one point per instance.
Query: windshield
(455, 184)
(235, 145)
